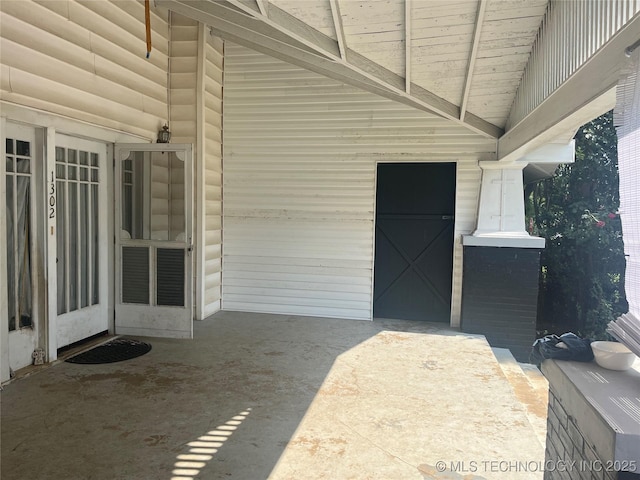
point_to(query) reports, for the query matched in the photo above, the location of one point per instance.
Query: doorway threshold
(63, 354)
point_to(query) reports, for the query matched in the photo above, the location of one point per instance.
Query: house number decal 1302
(52, 197)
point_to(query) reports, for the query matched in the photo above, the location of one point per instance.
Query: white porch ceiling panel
(508, 31)
(434, 46)
(423, 53)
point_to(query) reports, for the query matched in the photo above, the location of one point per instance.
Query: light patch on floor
(275, 397)
(189, 465)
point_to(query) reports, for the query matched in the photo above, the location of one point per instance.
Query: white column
(4, 305)
(51, 269)
(199, 159)
(501, 220)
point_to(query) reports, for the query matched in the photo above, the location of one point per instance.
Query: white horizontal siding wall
(86, 60)
(183, 57)
(196, 117)
(300, 154)
(212, 175)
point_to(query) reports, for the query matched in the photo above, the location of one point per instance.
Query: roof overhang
(588, 93)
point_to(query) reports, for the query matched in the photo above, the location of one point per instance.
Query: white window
(18, 165)
(77, 177)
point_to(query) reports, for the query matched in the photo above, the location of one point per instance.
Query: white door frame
(17, 346)
(152, 319)
(4, 303)
(50, 124)
(82, 322)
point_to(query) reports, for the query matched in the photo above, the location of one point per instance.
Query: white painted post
(51, 272)
(501, 219)
(4, 302)
(199, 160)
(108, 183)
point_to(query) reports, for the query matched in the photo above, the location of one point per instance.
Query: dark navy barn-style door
(415, 205)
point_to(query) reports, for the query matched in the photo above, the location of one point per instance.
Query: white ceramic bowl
(612, 355)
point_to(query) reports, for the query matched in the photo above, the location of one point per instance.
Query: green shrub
(582, 266)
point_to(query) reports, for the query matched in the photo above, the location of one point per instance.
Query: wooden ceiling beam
(477, 32)
(278, 20)
(263, 6)
(337, 23)
(292, 40)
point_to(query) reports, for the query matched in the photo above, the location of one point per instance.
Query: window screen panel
(170, 277)
(135, 275)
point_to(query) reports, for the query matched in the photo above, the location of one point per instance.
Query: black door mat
(115, 350)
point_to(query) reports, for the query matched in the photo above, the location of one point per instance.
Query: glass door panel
(22, 162)
(81, 228)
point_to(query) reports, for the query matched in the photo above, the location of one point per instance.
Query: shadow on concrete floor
(266, 396)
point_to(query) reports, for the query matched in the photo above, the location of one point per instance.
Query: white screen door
(154, 295)
(81, 215)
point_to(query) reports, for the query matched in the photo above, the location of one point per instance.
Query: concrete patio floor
(276, 397)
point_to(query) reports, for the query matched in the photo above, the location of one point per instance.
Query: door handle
(189, 247)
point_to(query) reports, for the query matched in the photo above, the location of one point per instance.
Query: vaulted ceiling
(469, 53)
(462, 59)
(519, 71)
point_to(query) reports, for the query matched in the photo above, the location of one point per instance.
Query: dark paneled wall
(500, 296)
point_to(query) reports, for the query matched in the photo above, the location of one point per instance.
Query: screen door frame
(152, 318)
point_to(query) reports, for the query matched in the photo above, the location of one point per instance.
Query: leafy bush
(581, 281)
